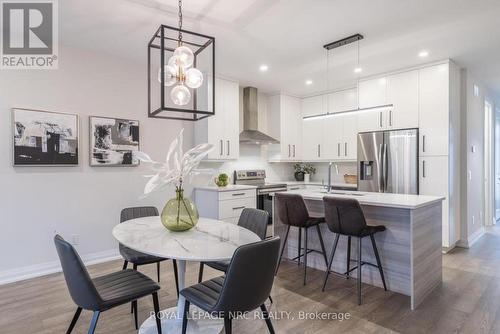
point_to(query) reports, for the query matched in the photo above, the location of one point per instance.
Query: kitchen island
(410, 248)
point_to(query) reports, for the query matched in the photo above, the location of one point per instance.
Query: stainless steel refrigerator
(388, 161)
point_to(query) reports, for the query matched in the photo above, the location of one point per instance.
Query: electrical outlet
(75, 239)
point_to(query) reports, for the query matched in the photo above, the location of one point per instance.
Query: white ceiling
(288, 35)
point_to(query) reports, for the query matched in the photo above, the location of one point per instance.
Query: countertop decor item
(351, 178)
(301, 170)
(180, 213)
(222, 180)
(180, 55)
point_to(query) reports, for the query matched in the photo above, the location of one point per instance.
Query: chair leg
(93, 323)
(74, 320)
(305, 254)
(283, 248)
(125, 264)
(156, 306)
(300, 246)
(266, 318)
(200, 272)
(359, 270)
(331, 260)
(174, 262)
(185, 318)
(131, 304)
(323, 250)
(228, 325)
(348, 256)
(158, 270)
(379, 263)
(134, 307)
(271, 300)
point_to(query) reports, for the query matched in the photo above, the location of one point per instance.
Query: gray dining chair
(104, 292)
(244, 288)
(252, 219)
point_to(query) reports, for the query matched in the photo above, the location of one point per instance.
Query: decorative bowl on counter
(350, 178)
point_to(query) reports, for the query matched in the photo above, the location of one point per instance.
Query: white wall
(36, 202)
(473, 198)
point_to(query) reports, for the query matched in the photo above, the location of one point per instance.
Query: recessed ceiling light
(263, 68)
(358, 70)
(423, 54)
(309, 82)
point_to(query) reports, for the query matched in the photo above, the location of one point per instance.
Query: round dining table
(210, 240)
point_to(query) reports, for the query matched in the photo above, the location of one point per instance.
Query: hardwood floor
(467, 302)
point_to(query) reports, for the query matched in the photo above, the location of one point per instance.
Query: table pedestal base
(198, 322)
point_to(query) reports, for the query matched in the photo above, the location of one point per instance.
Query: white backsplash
(255, 157)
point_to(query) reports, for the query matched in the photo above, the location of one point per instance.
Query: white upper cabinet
(222, 129)
(372, 93)
(402, 93)
(343, 100)
(312, 139)
(434, 118)
(340, 137)
(285, 124)
(314, 105)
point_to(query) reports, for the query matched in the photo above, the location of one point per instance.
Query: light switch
(473, 148)
(469, 174)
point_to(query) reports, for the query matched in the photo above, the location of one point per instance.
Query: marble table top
(209, 240)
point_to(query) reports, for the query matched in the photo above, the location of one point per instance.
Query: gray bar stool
(293, 212)
(344, 216)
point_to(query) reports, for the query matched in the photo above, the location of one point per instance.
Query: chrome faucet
(329, 187)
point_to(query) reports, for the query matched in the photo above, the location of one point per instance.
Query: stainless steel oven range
(257, 177)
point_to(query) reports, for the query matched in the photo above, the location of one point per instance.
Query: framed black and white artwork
(113, 141)
(44, 138)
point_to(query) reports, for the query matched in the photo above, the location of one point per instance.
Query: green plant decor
(180, 213)
(222, 180)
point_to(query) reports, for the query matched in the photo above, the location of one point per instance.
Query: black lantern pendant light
(183, 90)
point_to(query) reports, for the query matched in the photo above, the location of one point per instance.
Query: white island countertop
(375, 199)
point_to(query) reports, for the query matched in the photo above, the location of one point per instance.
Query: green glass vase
(180, 213)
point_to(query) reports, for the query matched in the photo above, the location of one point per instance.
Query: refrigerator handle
(380, 169)
(384, 167)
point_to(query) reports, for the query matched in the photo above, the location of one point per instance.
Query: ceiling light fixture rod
(344, 41)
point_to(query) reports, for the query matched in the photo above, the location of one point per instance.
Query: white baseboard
(472, 239)
(42, 269)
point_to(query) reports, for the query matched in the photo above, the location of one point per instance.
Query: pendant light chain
(180, 22)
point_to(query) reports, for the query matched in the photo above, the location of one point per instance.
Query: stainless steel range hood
(251, 133)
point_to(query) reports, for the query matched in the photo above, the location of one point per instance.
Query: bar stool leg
(331, 261)
(348, 256)
(323, 250)
(300, 246)
(379, 264)
(305, 254)
(283, 248)
(359, 270)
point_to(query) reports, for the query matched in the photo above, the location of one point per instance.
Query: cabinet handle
(294, 150)
(294, 188)
(238, 194)
(228, 147)
(423, 168)
(423, 143)
(345, 149)
(390, 117)
(289, 154)
(380, 119)
(338, 149)
(319, 150)
(221, 147)
(239, 207)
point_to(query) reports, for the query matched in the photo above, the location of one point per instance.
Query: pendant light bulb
(180, 95)
(184, 56)
(170, 74)
(194, 78)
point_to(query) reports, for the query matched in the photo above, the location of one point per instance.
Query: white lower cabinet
(223, 204)
(433, 181)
